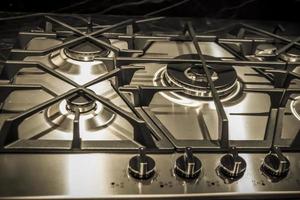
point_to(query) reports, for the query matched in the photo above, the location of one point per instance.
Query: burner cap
(81, 102)
(193, 79)
(93, 115)
(87, 51)
(265, 50)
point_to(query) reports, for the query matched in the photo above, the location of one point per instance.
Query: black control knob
(275, 164)
(232, 165)
(188, 166)
(141, 166)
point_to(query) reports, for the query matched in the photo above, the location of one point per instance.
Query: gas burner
(87, 51)
(79, 61)
(292, 55)
(93, 115)
(265, 50)
(82, 103)
(295, 107)
(193, 79)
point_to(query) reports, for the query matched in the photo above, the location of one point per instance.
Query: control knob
(188, 166)
(141, 166)
(232, 165)
(275, 164)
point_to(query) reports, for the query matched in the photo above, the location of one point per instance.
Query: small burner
(293, 55)
(265, 50)
(80, 102)
(78, 61)
(193, 79)
(87, 51)
(93, 115)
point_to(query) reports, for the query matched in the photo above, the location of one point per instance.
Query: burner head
(93, 115)
(78, 61)
(265, 50)
(81, 102)
(193, 79)
(293, 55)
(196, 73)
(87, 51)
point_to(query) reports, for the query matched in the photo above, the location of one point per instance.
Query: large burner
(93, 115)
(193, 79)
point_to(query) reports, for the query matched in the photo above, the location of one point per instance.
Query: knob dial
(232, 165)
(188, 166)
(275, 164)
(141, 166)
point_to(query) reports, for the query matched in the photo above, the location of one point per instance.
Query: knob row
(232, 166)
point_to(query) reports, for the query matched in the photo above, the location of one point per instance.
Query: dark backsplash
(287, 10)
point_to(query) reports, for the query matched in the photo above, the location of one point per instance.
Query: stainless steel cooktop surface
(89, 112)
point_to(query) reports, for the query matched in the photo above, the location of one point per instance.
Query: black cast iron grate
(148, 131)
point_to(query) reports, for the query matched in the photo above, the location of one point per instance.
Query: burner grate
(147, 129)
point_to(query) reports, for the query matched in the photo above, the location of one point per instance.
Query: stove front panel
(105, 175)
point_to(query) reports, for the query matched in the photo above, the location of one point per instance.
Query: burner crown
(81, 102)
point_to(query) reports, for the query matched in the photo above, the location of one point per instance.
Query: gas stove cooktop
(110, 111)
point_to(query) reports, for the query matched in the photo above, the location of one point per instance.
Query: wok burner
(192, 78)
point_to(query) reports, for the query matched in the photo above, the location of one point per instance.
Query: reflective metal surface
(81, 71)
(106, 176)
(247, 118)
(59, 116)
(56, 122)
(295, 107)
(171, 108)
(193, 80)
(291, 56)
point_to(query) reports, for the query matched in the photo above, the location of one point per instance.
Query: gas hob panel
(91, 97)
